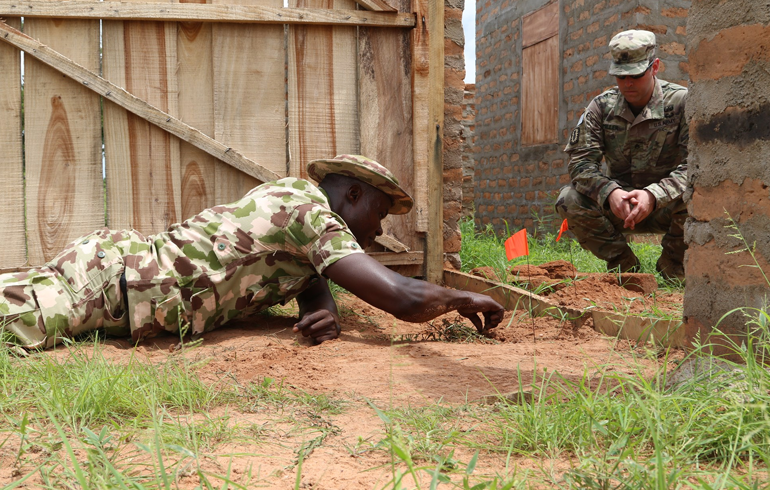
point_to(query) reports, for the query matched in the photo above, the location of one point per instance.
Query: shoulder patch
(575, 136)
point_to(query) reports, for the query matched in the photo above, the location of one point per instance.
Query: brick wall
(516, 183)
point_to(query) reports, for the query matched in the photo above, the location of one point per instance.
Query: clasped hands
(632, 207)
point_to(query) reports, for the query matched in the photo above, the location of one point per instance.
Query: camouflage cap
(366, 170)
(631, 52)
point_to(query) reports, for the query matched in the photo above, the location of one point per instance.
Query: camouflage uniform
(647, 151)
(224, 263)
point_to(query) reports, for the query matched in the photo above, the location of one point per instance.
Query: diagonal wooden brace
(133, 104)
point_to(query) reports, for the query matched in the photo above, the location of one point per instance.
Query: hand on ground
(320, 325)
(481, 303)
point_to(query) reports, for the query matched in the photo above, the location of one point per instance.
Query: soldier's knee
(570, 202)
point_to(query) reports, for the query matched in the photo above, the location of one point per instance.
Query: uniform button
(101, 255)
(222, 246)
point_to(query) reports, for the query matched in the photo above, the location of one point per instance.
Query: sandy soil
(377, 358)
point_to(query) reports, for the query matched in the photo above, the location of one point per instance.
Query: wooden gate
(137, 115)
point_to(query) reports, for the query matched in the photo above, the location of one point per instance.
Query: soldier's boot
(670, 268)
(671, 261)
(625, 262)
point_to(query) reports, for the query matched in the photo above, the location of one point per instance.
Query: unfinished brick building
(729, 110)
(539, 63)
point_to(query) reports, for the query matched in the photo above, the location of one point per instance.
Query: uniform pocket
(167, 312)
(88, 263)
(289, 287)
(203, 305)
(20, 321)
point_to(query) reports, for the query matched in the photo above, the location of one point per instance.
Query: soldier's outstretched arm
(318, 316)
(410, 299)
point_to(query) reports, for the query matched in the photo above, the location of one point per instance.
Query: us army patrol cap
(631, 52)
(368, 171)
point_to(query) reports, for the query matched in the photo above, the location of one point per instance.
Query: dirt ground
(563, 285)
(377, 358)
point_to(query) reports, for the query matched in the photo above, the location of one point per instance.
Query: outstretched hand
(492, 310)
(320, 325)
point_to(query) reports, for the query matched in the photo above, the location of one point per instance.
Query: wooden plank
(376, 5)
(63, 141)
(385, 102)
(540, 25)
(135, 105)
(434, 245)
(668, 333)
(540, 93)
(249, 99)
(401, 258)
(323, 113)
(391, 243)
(142, 160)
(420, 122)
(509, 296)
(196, 108)
(13, 253)
(87, 9)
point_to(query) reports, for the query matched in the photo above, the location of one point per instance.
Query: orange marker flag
(562, 229)
(517, 245)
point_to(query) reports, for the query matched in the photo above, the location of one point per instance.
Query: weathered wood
(63, 141)
(402, 258)
(196, 108)
(255, 14)
(323, 112)
(510, 297)
(135, 105)
(540, 93)
(668, 333)
(540, 25)
(420, 122)
(434, 247)
(385, 102)
(391, 243)
(249, 99)
(376, 5)
(13, 251)
(141, 56)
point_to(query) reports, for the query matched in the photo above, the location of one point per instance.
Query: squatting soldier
(280, 241)
(640, 129)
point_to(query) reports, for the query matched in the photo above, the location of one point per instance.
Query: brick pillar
(454, 87)
(469, 126)
(729, 164)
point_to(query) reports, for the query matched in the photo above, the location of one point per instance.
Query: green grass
(619, 431)
(83, 421)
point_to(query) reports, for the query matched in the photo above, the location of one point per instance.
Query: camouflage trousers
(600, 232)
(78, 291)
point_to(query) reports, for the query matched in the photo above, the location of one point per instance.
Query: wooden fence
(137, 115)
